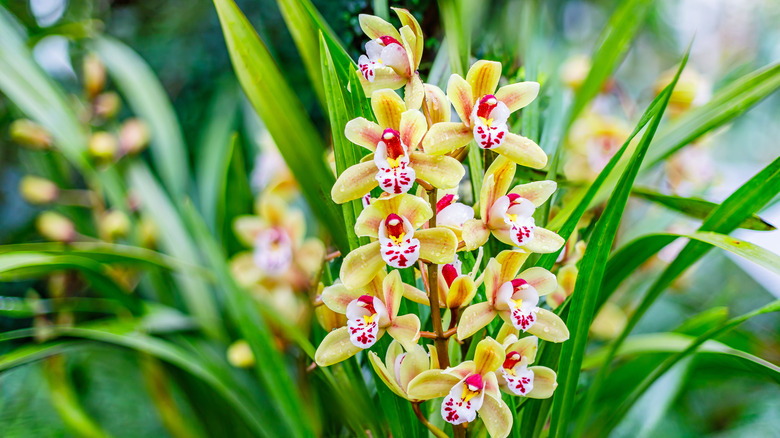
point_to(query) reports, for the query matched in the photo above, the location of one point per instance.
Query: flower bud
(147, 231)
(37, 190)
(56, 227)
(240, 355)
(133, 136)
(609, 322)
(103, 146)
(114, 224)
(94, 75)
(106, 105)
(30, 134)
(575, 70)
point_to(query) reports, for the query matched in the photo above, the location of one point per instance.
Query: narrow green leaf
(457, 33)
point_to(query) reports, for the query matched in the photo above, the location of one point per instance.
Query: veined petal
(388, 107)
(544, 241)
(522, 151)
(413, 128)
(415, 362)
(516, 96)
(375, 287)
(493, 280)
(431, 384)
(335, 348)
(361, 265)
(247, 228)
(483, 77)
(462, 370)
(497, 416)
(384, 77)
(462, 97)
(363, 132)
(392, 291)
(354, 182)
(507, 335)
(437, 245)
(438, 105)
(549, 326)
(503, 172)
(387, 376)
(441, 171)
(511, 261)
(407, 19)
(475, 234)
(538, 192)
(337, 297)
(474, 318)
(489, 356)
(461, 292)
(406, 330)
(526, 347)
(413, 208)
(445, 137)
(376, 27)
(540, 279)
(544, 383)
(413, 294)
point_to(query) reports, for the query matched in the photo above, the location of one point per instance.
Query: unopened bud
(133, 136)
(30, 134)
(103, 146)
(37, 190)
(114, 224)
(94, 75)
(56, 227)
(240, 355)
(106, 105)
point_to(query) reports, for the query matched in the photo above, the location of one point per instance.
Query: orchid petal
(441, 171)
(475, 234)
(354, 182)
(409, 42)
(376, 27)
(328, 319)
(491, 385)
(385, 375)
(488, 356)
(411, 207)
(445, 137)
(335, 348)
(519, 95)
(522, 151)
(474, 318)
(461, 292)
(462, 97)
(392, 291)
(337, 297)
(247, 227)
(363, 132)
(540, 279)
(437, 103)
(244, 269)
(361, 265)
(413, 294)
(462, 370)
(415, 362)
(538, 192)
(507, 334)
(388, 107)
(502, 171)
(434, 356)
(407, 19)
(414, 92)
(544, 241)
(431, 384)
(493, 280)
(483, 77)
(544, 383)
(437, 245)
(310, 255)
(413, 128)
(396, 57)
(567, 278)
(549, 326)
(405, 329)
(526, 347)
(511, 261)
(384, 78)
(497, 416)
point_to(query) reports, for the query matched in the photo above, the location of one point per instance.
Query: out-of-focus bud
(240, 355)
(106, 105)
(56, 227)
(575, 70)
(133, 136)
(114, 224)
(609, 322)
(30, 134)
(94, 75)
(37, 190)
(103, 146)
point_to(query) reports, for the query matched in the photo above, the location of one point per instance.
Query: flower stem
(434, 430)
(433, 296)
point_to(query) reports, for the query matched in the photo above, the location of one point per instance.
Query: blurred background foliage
(102, 389)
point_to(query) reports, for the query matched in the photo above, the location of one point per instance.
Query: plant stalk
(433, 296)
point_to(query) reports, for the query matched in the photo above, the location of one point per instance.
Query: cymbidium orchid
(396, 161)
(515, 298)
(392, 56)
(593, 140)
(456, 289)
(468, 389)
(401, 367)
(484, 113)
(453, 214)
(370, 313)
(509, 216)
(395, 221)
(516, 376)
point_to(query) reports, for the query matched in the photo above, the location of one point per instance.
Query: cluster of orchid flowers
(414, 141)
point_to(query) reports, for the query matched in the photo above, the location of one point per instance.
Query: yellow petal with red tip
(445, 137)
(407, 19)
(544, 241)
(354, 182)
(361, 266)
(364, 133)
(497, 416)
(431, 384)
(388, 107)
(541, 279)
(489, 355)
(511, 261)
(461, 292)
(336, 347)
(247, 227)
(526, 347)
(538, 192)
(384, 78)
(462, 97)
(337, 297)
(475, 234)
(544, 383)
(415, 209)
(392, 292)
(413, 128)
(503, 172)
(549, 326)
(475, 317)
(406, 330)
(492, 279)
(437, 103)
(522, 151)
(519, 95)
(437, 245)
(386, 376)
(415, 362)
(413, 294)
(414, 92)
(483, 77)
(376, 27)
(440, 171)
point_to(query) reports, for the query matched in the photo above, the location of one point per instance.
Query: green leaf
(283, 114)
(454, 17)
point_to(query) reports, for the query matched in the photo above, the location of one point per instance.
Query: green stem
(433, 296)
(434, 430)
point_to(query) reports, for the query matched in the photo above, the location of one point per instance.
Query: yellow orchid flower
(515, 376)
(515, 299)
(593, 140)
(394, 221)
(484, 113)
(399, 367)
(468, 389)
(368, 318)
(453, 215)
(396, 161)
(509, 216)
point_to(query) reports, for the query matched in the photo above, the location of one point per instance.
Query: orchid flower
(516, 377)
(468, 389)
(392, 56)
(394, 221)
(453, 214)
(399, 367)
(484, 113)
(593, 141)
(515, 298)
(509, 216)
(396, 162)
(368, 318)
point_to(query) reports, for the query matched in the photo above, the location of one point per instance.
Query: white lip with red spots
(452, 213)
(381, 51)
(521, 300)
(519, 378)
(517, 212)
(463, 401)
(365, 316)
(392, 161)
(398, 246)
(488, 119)
(273, 251)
